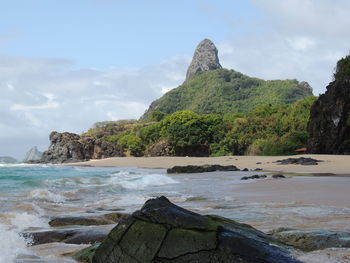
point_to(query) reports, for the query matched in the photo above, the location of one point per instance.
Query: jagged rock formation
(329, 125)
(33, 155)
(164, 232)
(205, 58)
(69, 147)
(7, 159)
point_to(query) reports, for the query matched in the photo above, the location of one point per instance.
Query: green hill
(227, 91)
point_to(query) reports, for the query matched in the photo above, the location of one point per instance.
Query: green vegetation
(226, 91)
(342, 69)
(267, 130)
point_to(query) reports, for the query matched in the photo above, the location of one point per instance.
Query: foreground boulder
(201, 169)
(329, 124)
(69, 147)
(164, 232)
(312, 239)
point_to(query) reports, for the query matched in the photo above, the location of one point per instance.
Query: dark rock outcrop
(312, 239)
(300, 160)
(164, 148)
(329, 124)
(164, 232)
(201, 169)
(277, 176)
(70, 147)
(32, 155)
(160, 148)
(76, 235)
(256, 176)
(205, 58)
(106, 219)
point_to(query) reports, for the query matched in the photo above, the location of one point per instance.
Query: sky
(65, 65)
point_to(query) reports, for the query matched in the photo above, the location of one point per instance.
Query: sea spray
(15, 244)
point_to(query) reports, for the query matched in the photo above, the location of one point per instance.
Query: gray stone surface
(312, 239)
(33, 155)
(164, 232)
(205, 58)
(70, 147)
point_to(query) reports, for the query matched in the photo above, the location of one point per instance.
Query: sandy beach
(331, 164)
(320, 189)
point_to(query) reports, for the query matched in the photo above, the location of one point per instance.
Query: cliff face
(205, 58)
(69, 147)
(329, 125)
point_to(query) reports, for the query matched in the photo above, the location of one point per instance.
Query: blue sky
(67, 64)
(107, 33)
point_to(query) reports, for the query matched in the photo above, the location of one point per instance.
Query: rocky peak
(33, 155)
(205, 58)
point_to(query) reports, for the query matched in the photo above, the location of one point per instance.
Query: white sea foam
(15, 244)
(46, 195)
(144, 181)
(129, 200)
(12, 246)
(25, 220)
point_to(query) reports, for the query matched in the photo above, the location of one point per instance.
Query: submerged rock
(277, 176)
(201, 168)
(205, 58)
(255, 176)
(78, 235)
(164, 232)
(312, 239)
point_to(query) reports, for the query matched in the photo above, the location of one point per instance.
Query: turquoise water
(31, 195)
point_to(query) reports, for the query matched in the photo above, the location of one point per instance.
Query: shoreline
(331, 165)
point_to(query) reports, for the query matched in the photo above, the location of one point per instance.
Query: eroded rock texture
(69, 147)
(329, 125)
(164, 232)
(205, 58)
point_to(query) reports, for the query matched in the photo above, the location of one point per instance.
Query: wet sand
(326, 184)
(323, 191)
(332, 164)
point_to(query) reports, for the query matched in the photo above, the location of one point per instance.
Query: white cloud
(41, 95)
(300, 39)
(303, 39)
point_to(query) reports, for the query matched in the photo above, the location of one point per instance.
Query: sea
(30, 195)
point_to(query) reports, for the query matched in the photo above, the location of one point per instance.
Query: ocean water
(31, 195)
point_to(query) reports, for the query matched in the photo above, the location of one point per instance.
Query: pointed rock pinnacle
(205, 58)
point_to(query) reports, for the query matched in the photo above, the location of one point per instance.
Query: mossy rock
(85, 255)
(164, 232)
